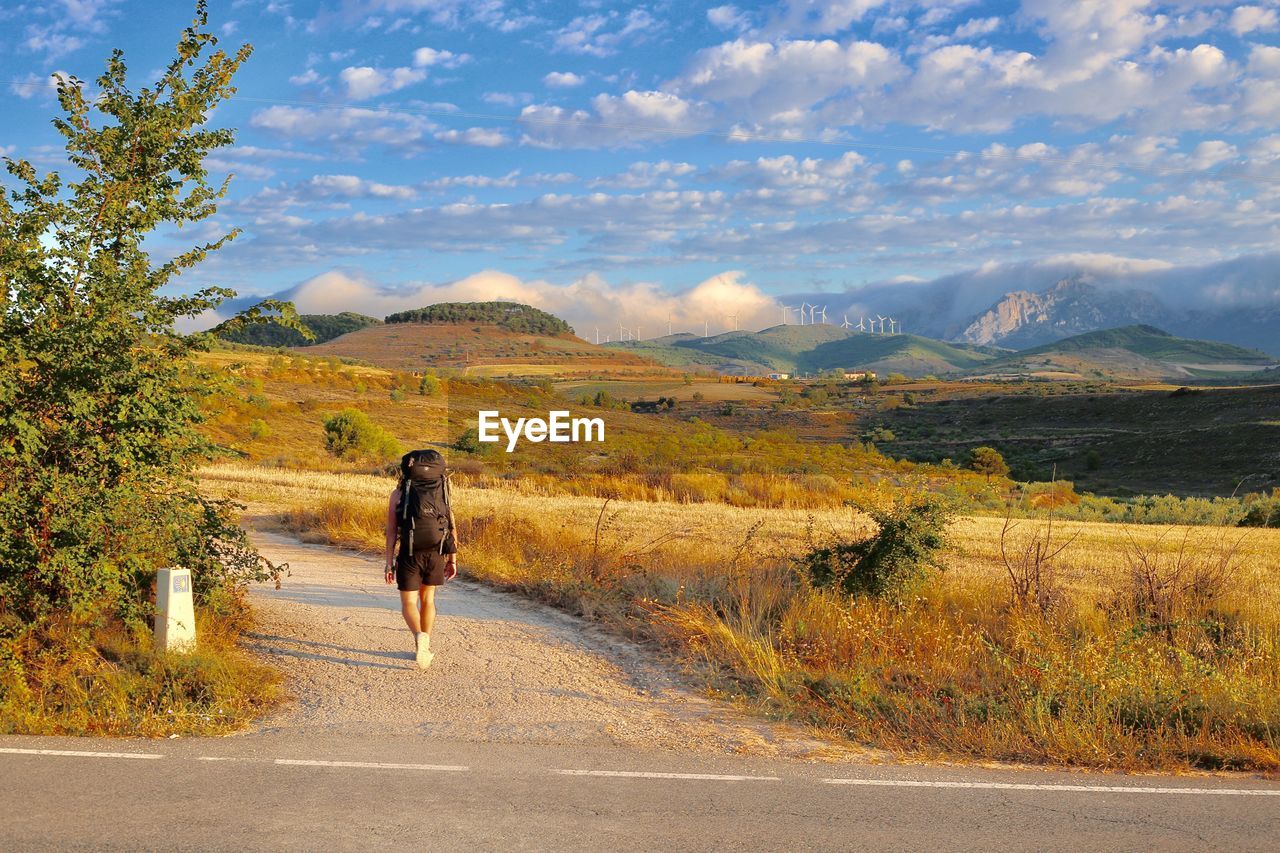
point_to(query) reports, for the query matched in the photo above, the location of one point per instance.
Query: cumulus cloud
(362, 82)
(563, 80)
(426, 57)
(586, 303)
(348, 129)
(624, 119)
(1247, 19)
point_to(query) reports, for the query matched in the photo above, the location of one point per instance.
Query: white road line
(215, 758)
(301, 762)
(78, 753)
(1084, 789)
(641, 774)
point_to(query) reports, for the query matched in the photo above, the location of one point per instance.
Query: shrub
(890, 563)
(258, 429)
(988, 462)
(397, 395)
(429, 386)
(469, 441)
(350, 433)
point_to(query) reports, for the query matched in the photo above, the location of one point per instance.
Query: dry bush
(1031, 567)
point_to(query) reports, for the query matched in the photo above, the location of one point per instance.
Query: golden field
(1151, 647)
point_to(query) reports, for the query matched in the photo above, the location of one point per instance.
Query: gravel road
(506, 669)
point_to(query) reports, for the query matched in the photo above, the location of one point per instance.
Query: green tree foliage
(99, 398)
(988, 462)
(429, 386)
(507, 315)
(350, 434)
(892, 562)
(323, 327)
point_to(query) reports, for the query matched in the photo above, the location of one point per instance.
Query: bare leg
(409, 609)
(427, 614)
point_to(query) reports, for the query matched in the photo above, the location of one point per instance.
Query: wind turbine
(823, 314)
(861, 323)
(733, 322)
(668, 324)
(635, 335)
(597, 336)
(892, 324)
(846, 324)
(706, 328)
(881, 319)
(803, 307)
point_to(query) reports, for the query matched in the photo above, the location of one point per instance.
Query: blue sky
(610, 160)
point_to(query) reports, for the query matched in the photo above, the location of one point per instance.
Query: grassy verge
(1143, 648)
(101, 677)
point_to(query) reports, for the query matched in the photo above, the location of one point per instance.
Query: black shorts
(422, 569)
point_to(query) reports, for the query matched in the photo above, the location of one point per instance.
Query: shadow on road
(277, 645)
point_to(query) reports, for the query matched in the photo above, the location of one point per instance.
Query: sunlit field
(1146, 646)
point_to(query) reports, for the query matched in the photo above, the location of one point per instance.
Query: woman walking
(420, 519)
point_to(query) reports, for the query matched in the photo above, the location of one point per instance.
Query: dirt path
(505, 669)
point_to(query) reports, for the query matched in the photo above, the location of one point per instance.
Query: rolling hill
(812, 349)
(325, 327)
(488, 339)
(1136, 353)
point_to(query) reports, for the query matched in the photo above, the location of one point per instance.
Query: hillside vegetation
(512, 316)
(325, 327)
(482, 349)
(813, 349)
(1134, 353)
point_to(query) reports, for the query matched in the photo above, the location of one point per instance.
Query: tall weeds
(1160, 651)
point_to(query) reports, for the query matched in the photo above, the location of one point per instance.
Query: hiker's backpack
(423, 511)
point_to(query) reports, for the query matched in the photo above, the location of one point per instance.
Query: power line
(730, 135)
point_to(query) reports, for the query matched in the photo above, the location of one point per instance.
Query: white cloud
(625, 119)
(1247, 19)
(363, 82)
(602, 34)
(310, 77)
(976, 27)
(484, 137)
(563, 79)
(765, 81)
(349, 129)
(729, 18)
(585, 303)
(35, 84)
(426, 57)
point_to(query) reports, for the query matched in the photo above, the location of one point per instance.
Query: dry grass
(1098, 679)
(100, 677)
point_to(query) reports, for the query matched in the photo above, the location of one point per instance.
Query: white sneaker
(423, 655)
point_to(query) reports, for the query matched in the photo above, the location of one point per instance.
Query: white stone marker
(175, 611)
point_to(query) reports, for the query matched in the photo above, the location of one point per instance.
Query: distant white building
(777, 376)
(858, 376)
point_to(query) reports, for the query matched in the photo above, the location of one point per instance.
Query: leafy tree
(890, 563)
(429, 386)
(350, 434)
(988, 461)
(99, 396)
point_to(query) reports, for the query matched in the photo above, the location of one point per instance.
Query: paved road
(569, 741)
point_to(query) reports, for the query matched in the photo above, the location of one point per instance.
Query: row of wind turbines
(810, 315)
(817, 316)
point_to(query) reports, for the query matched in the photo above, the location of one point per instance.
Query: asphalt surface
(573, 741)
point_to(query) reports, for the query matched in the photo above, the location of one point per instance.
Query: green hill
(325, 327)
(1135, 352)
(813, 349)
(1157, 344)
(512, 316)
